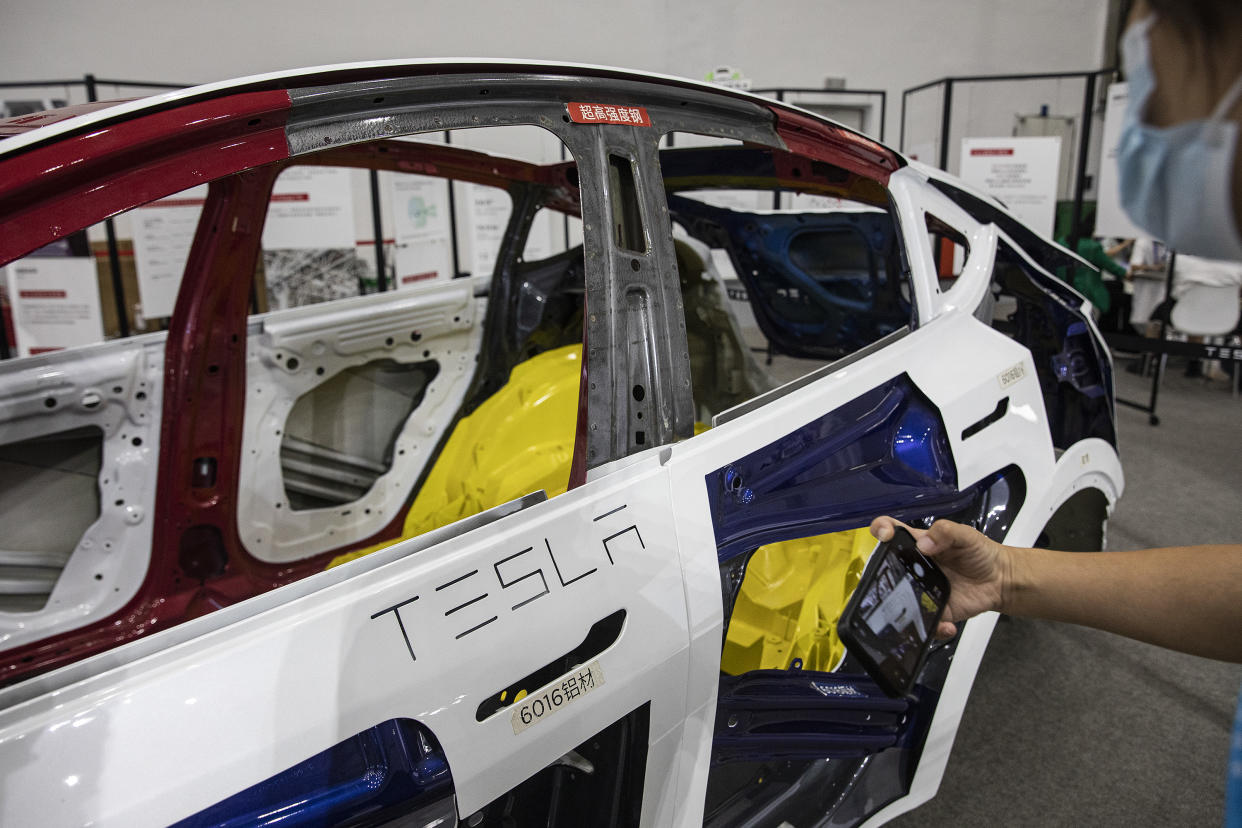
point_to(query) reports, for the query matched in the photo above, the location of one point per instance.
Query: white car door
(377, 639)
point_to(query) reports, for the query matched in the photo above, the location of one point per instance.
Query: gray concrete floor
(1072, 726)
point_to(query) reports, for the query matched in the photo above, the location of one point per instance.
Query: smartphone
(890, 620)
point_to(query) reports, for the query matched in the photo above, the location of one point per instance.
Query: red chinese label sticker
(585, 113)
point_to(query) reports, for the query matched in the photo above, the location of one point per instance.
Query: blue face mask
(1177, 182)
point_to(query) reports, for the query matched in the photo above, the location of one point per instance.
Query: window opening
(950, 250)
(785, 265)
(405, 410)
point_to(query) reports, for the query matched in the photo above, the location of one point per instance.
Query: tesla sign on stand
(1021, 172)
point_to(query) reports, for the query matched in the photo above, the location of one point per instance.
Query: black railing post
(883, 113)
(1080, 179)
(901, 138)
(118, 289)
(1152, 417)
(946, 113)
(377, 225)
(452, 207)
(4, 332)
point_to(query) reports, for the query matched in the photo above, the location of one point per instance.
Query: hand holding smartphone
(890, 620)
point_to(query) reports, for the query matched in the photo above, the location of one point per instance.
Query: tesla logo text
(514, 579)
(1219, 352)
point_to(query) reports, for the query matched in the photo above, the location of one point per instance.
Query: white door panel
(240, 703)
(961, 365)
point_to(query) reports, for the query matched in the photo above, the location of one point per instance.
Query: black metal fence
(935, 116)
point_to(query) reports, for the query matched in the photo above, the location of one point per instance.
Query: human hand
(978, 568)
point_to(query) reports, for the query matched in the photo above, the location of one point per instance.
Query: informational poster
(489, 215)
(1021, 172)
(163, 232)
(54, 302)
(420, 209)
(312, 208)
(1110, 218)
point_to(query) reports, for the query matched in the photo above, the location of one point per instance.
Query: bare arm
(1185, 598)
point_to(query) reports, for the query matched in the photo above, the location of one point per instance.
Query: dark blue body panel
(884, 452)
(397, 763)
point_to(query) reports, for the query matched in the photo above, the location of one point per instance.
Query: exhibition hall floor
(1068, 725)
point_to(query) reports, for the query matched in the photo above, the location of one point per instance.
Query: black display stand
(1148, 345)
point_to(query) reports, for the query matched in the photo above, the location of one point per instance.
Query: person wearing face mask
(1182, 183)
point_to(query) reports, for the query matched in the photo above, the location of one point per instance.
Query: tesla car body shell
(155, 701)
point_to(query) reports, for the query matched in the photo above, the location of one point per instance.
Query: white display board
(55, 303)
(312, 208)
(1021, 172)
(489, 214)
(163, 232)
(420, 209)
(1110, 218)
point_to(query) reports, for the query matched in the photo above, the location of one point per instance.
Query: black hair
(1204, 20)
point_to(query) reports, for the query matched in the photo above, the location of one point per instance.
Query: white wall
(878, 44)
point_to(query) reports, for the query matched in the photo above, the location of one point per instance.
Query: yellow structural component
(519, 440)
(790, 600)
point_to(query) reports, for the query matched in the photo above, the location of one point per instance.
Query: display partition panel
(1065, 105)
(922, 112)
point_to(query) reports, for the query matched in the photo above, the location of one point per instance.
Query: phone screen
(893, 616)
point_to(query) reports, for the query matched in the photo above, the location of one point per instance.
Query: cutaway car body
(561, 541)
